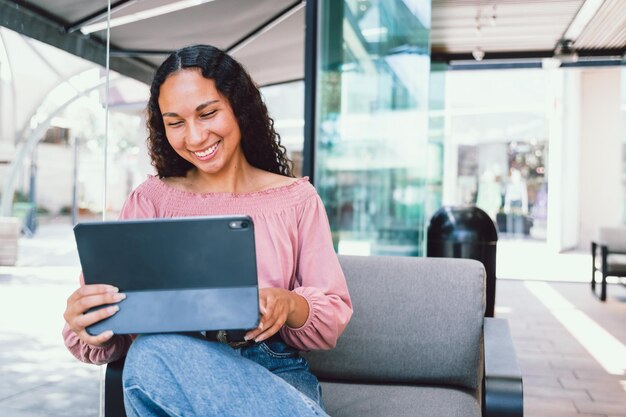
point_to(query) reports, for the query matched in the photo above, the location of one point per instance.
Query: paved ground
(571, 347)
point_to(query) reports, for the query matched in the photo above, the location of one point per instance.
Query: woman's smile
(208, 153)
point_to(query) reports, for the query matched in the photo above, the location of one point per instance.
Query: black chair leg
(593, 266)
(605, 272)
(113, 393)
(593, 282)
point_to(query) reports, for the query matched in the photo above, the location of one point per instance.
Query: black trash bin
(466, 232)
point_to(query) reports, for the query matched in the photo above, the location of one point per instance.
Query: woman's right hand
(84, 298)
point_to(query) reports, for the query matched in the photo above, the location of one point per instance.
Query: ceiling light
(586, 12)
(478, 53)
(565, 52)
(142, 15)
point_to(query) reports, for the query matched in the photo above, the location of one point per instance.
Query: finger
(253, 333)
(78, 307)
(277, 312)
(82, 305)
(263, 324)
(270, 328)
(86, 320)
(270, 309)
(82, 321)
(268, 333)
(92, 289)
(97, 340)
(265, 306)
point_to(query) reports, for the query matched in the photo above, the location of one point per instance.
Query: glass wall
(285, 104)
(372, 112)
(52, 117)
(56, 130)
(497, 145)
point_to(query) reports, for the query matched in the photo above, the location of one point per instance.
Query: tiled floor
(571, 347)
(565, 347)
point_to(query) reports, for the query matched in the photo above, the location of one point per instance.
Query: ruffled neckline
(173, 202)
(251, 194)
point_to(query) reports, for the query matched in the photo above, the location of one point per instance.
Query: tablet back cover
(182, 274)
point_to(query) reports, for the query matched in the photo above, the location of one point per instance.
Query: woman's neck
(240, 178)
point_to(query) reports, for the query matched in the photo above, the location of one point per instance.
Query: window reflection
(371, 133)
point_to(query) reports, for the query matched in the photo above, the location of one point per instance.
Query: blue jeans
(186, 375)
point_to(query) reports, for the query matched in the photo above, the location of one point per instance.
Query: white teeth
(207, 152)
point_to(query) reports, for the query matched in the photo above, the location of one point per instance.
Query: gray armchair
(417, 345)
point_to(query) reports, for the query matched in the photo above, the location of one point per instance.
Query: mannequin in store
(516, 203)
(516, 194)
(216, 153)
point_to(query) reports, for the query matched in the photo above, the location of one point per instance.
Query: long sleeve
(95, 354)
(320, 281)
(135, 207)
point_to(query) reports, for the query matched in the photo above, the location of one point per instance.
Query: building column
(602, 141)
(585, 166)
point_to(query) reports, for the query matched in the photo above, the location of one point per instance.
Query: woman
(216, 153)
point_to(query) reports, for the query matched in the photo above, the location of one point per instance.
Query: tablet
(178, 274)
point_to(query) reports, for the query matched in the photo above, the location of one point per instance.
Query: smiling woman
(216, 153)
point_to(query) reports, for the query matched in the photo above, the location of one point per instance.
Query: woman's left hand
(278, 306)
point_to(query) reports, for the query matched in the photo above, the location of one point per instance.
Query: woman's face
(199, 123)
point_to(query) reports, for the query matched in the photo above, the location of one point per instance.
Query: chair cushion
(359, 400)
(415, 321)
(616, 264)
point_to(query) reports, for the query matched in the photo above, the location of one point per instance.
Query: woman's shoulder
(276, 193)
(149, 186)
(275, 183)
(269, 181)
(142, 202)
(153, 189)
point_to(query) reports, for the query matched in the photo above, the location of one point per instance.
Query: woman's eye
(208, 114)
(175, 124)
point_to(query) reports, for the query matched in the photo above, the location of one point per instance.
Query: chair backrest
(416, 321)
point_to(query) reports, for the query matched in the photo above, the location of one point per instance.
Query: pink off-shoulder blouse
(294, 252)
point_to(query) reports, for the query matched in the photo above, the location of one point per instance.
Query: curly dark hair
(259, 141)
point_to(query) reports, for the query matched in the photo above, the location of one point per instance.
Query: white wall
(602, 135)
(563, 168)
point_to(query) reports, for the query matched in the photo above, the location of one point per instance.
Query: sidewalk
(531, 259)
(571, 347)
(39, 377)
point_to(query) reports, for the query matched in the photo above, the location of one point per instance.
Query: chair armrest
(503, 390)
(113, 392)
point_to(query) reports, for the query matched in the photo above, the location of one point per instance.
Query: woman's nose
(196, 134)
